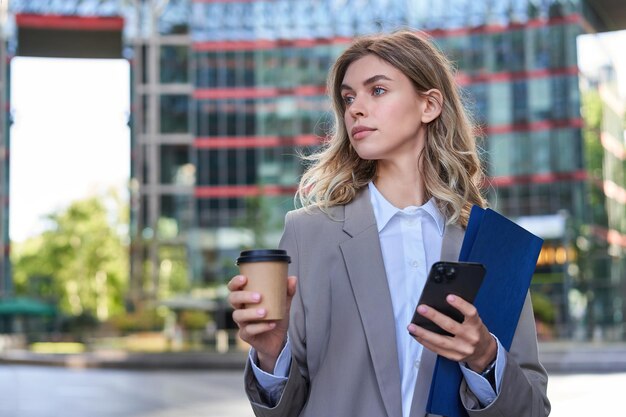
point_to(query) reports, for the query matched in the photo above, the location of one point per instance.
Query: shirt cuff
(274, 381)
(479, 385)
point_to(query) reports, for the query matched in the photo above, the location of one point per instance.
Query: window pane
(499, 114)
(174, 64)
(176, 216)
(173, 19)
(175, 166)
(174, 114)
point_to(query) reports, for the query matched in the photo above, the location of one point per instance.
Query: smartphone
(459, 278)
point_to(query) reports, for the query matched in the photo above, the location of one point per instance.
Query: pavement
(557, 357)
(129, 360)
(572, 357)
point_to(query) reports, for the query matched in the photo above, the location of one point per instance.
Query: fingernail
(260, 312)
(451, 298)
(411, 328)
(422, 309)
(240, 278)
(256, 297)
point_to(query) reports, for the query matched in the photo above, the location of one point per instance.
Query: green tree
(81, 261)
(592, 115)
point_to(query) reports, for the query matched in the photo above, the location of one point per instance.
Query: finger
(423, 335)
(442, 345)
(291, 286)
(237, 283)
(255, 329)
(246, 316)
(467, 309)
(446, 323)
(447, 352)
(239, 299)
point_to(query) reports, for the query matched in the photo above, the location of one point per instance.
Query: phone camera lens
(438, 278)
(450, 273)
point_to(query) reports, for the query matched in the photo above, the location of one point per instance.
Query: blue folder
(509, 254)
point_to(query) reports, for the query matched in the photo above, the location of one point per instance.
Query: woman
(387, 196)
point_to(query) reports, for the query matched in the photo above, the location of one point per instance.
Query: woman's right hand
(267, 337)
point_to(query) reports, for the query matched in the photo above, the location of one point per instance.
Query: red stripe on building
(307, 140)
(267, 44)
(237, 142)
(234, 45)
(436, 33)
(536, 178)
(468, 79)
(62, 22)
(257, 92)
(530, 127)
(310, 90)
(234, 191)
(224, 93)
(491, 29)
(233, 142)
(318, 90)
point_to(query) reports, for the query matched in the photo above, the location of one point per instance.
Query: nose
(357, 108)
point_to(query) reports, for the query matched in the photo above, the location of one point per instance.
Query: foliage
(594, 153)
(140, 321)
(193, 319)
(80, 262)
(80, 324)
(173, 270)
(592, 116)
(543, 308)
(256, 219)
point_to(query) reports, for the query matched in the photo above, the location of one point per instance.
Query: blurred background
(144, 143)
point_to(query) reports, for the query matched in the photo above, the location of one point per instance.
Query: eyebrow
(370, 80)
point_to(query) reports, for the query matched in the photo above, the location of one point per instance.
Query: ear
(433, 102)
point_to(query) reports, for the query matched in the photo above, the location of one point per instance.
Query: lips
(359, 132)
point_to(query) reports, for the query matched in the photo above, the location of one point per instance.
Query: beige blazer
(342, 334)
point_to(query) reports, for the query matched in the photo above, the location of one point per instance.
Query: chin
(368, 156)
(363, 152)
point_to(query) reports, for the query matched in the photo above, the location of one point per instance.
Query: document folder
(509, 254)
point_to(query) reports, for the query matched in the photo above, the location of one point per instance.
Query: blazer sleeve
(524, 381)
(296, 390)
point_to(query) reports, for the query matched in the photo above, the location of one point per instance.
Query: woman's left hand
(470, 342)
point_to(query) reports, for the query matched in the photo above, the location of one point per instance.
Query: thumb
(291, 286)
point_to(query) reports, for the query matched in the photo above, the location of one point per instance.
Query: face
(383, 112)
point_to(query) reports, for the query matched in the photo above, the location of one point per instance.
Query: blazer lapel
(366, 271)
(452, 241)
(450, 249)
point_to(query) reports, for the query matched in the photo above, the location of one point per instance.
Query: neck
(402, 186)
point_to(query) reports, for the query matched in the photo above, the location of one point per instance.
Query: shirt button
(414, 264)
(416, 364)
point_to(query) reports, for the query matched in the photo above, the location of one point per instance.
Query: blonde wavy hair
(450, 165)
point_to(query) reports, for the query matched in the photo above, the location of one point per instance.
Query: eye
(378, 91)
(348, 99)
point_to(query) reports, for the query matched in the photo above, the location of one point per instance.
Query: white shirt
(410, 240)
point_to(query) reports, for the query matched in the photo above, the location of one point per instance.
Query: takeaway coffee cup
(266, 270)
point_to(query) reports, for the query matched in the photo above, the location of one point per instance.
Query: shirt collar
(384, 210)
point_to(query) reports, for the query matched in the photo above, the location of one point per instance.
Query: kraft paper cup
(266, 270)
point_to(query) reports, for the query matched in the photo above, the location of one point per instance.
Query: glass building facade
(227, 93)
